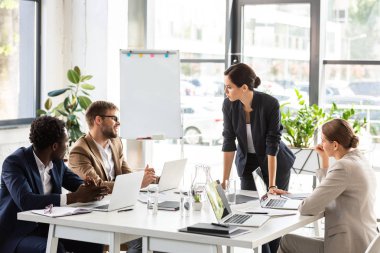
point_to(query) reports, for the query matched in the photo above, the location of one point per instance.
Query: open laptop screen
(218, 200)
(172, 174)
(260, 184)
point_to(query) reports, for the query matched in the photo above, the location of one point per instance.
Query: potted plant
(301, 126)
(75, 101)
(197, 204)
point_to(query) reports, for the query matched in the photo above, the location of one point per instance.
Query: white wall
(87, 33)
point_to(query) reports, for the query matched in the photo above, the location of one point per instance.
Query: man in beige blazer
(346, 194)
(99, 154)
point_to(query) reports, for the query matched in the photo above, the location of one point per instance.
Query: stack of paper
(58, 211)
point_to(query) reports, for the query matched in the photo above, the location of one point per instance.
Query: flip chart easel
(150, 105)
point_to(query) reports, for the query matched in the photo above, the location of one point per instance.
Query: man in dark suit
(32, 178)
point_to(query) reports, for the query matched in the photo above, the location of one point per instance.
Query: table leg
(144, 244)
(230, 249)
(168, 245)
(114, 246)
(316, 228)
(257, 250)
(52, 242)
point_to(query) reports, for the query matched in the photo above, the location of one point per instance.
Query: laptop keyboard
(238, 218)
(276, 203)
(103, 207)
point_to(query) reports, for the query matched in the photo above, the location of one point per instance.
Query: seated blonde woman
(346, 194)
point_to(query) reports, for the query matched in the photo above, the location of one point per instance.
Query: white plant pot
(307, 161)
(197, 206)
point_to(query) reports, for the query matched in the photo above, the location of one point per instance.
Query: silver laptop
(272, 201)
(124, 194)
(223, 212)
(171, 175)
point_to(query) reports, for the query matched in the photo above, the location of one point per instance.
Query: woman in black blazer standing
(254, 119)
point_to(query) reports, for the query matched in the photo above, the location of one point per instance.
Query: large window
(18, 61)
(352, 30)
(282, 40)
(275, 41)
(198, 29)
(352, 64)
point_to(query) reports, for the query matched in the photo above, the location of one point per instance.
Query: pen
(256, 212)
(125, 210)
(284, 197)
(144, 138)
(220, 225)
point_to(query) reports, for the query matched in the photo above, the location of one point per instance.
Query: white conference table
(159, 232)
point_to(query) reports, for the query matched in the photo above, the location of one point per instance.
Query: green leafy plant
(197, 197)
(196, 194)
(75, 101)
(301, 125)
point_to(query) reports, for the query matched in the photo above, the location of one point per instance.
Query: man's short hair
(45, 131)
(98, 108)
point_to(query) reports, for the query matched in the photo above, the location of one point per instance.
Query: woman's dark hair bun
(257, 82)
(354, 141)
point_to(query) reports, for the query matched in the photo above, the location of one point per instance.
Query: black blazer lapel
(31, 163)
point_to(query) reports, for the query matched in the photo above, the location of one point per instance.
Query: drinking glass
(152, 203)
(185, 204)
(231, 191)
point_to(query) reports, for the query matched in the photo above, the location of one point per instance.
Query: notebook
(212, 228)
(223, 212)
(171, 175)
(230, 235)
(215, 230)
(272, 201)
(124, 194)
(168, 206)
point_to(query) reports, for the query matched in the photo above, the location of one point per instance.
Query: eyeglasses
(114, 118)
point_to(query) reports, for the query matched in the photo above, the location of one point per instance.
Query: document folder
(214, 230)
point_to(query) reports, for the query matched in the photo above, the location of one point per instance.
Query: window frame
(226, 48)
(315, 73)
(37, 64)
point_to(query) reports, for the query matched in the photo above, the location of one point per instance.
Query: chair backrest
(374, 247)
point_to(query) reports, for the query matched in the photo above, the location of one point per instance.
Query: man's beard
(109, 133)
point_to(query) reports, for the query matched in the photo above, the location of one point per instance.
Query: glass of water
(185, 204)
(152, 203)
(231, 191)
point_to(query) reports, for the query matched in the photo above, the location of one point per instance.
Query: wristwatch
(273, 186)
